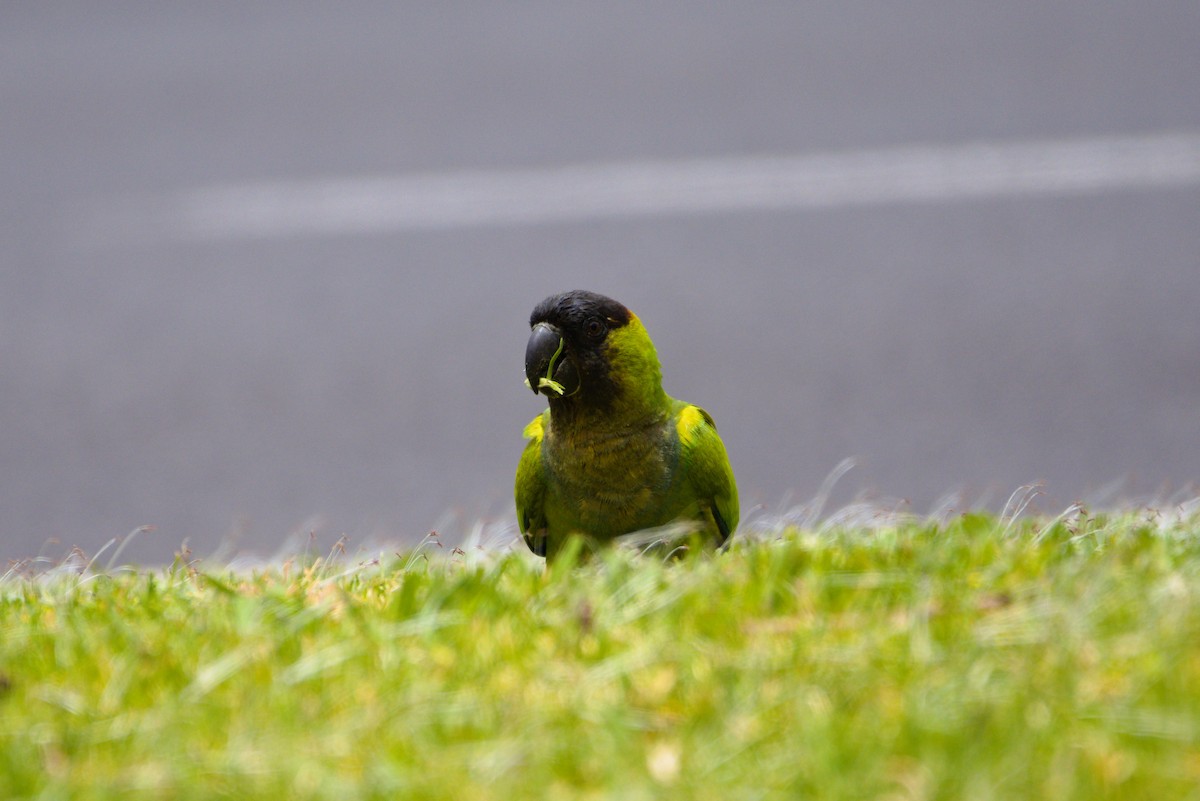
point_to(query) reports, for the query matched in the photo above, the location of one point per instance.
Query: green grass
(977, 659)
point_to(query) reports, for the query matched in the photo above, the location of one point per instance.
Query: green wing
(709, 473)
(530, 488)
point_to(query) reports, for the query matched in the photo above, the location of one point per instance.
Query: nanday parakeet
(613, 453)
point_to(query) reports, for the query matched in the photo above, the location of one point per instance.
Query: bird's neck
(622, 413)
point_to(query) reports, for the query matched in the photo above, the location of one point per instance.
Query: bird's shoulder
(706, 466)
(702, 453)
(693, 424)
(535, 432)
(530, 483)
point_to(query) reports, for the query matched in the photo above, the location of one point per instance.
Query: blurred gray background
(228, 309)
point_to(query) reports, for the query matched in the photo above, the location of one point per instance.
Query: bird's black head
(566, 355)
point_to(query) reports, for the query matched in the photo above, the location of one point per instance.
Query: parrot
(612, 453)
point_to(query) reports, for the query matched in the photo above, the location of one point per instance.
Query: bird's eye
(594, 329)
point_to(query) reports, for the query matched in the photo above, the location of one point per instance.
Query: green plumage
(613, 453)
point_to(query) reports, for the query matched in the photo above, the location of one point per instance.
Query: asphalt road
(267, 270)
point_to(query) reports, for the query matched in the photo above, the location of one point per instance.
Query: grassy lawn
(976, 659)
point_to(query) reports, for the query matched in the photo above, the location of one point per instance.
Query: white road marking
(454, 200)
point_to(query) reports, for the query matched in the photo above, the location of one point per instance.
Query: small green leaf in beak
(551, 383)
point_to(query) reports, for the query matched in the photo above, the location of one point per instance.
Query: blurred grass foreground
(976, 657)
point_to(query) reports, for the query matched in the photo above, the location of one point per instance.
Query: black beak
(548, 368)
